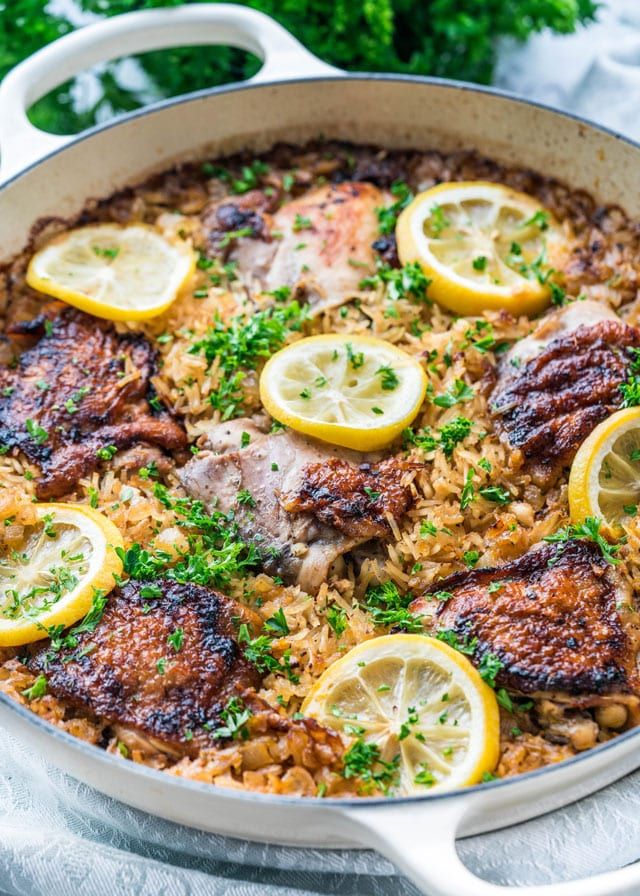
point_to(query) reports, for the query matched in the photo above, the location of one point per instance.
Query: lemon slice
(414, 698)
(353, 391)
(605, 474)
(119, 273)
(52, 578)
(482, 245)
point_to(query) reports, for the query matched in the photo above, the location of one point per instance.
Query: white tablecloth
(59, 838)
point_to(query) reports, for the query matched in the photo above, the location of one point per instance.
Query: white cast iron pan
(46, 175)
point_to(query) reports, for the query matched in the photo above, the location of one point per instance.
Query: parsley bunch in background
(448, 38)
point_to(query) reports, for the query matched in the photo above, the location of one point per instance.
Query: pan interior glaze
(395, 112)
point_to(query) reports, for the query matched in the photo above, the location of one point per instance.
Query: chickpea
(612, 716)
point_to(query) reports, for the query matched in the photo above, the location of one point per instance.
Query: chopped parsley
(229, 237)
(278, 623)
(425, 777)
(234, 717)
(630, 391)
(448, 436)
(241, 345)
(387, 217)
(38, 689)
(249, 176)
(409, 282)
(490, 666)
(442, 596)
(412, 719)
(460, 392)
(389, 378)
(109, 254)
(495, 494)
(149, 472)
(390, 608)
(356, 359)
(427, 528)
(468, 493)
(106, 452)
(482, 337)
(69, 640)
(176, 639)
(480, 263)
(362, 760)
(539, 219)
(504, 699)
(301, 223)
(215, 553)
(37, 433)
(258, 652)
(337, 619)
(449, 636)
(588, 530)
(437, 221)
(151, 592)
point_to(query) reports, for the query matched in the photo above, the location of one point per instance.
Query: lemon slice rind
(315, 387)
(382, 684)
(116, 272)
(80, 529)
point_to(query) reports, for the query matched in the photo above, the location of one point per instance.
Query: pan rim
(360, 77)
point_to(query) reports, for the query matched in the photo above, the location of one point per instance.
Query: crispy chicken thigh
(555, 386)
(559, 618)
(309, 245)
(162, 666)
(80, 388)
(303, 503)
(357, 501)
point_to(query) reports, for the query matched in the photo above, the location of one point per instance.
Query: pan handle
(420, 840)
(22, 144)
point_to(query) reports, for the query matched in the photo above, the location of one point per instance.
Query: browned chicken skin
(561, 620)
(127, 672)
(548, 405)
(355, 500)
(74, 387)
(319, 237)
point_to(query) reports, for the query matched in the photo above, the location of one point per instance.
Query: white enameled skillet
(296, 97)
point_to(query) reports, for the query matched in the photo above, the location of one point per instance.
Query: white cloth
(59, 838)
(594, 73)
